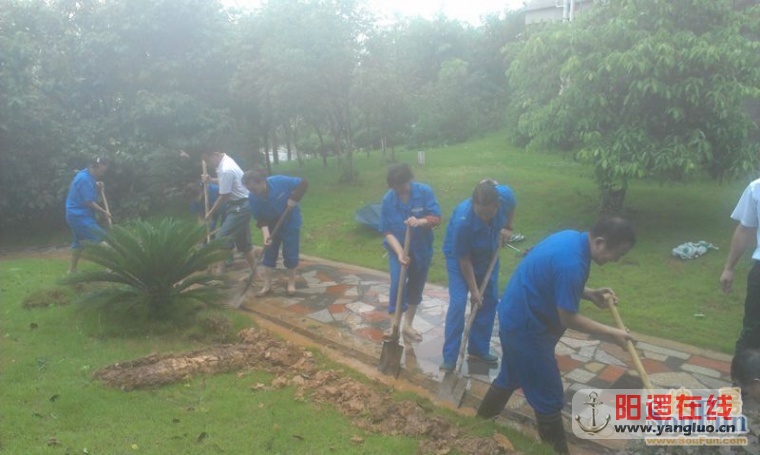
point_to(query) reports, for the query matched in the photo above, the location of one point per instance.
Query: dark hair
(398, 174)
(192, 191)
(745, 367)
(615, 230)
(485, 193)
(97, 160)
(254, 176)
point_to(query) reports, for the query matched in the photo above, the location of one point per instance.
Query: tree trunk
(322, 149)
(275, 155)
(288, 140)
(266, 152)
(612, 198)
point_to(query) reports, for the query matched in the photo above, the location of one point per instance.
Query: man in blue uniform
(412, 204)
(194, 195)
(81, 205)
(541, 300)
(479, 226)
(270, 197)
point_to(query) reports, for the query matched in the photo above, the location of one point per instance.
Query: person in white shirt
(233, 202)
(747, 213)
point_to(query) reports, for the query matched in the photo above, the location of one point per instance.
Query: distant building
(538, 11)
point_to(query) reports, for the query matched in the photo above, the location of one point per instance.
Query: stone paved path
(347, 305)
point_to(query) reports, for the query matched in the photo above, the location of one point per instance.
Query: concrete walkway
(346, 306)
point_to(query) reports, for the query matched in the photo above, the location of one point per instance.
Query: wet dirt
(369, 405)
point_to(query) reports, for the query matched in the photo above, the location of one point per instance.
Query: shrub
(157, 264)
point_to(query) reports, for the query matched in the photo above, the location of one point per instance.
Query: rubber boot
(494, 401)
(266, 281)
(408, 329)
(552, 432)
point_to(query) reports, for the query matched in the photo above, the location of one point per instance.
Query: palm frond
(160, 263)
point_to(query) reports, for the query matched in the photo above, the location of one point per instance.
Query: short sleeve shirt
(467, 234)
(83, 189)
(746, 212)
(395, 212)
(267, 209)
(553, 275)
(199, 207)
(230, 178)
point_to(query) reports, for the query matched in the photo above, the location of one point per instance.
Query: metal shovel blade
(238, 301)
(390, 358)
(452, 388)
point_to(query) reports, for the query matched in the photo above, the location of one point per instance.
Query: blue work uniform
(421, 203)
(199, 207)
(468, 235)
(553, 275)
(79, 216)
(267, 210)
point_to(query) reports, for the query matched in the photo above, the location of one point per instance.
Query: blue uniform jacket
(421, 203)
(267, 209)
(467, 234)
(551, 276)
(199, 207)
(83, 189)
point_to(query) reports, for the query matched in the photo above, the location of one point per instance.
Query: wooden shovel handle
(631, 348)
(205, 202)
(474, 310)
(105, 206)
(280, 221)
(400, 291)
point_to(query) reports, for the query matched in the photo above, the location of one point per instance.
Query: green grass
(659, 295)
(51, 403)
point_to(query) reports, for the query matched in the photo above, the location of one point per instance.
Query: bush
(156, 264)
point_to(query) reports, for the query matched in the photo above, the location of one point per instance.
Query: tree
(649, 89)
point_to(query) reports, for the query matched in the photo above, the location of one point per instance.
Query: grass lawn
(52, 405)
(660, 295)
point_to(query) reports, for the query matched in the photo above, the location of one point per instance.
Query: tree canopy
(140, 80)
(644, 89)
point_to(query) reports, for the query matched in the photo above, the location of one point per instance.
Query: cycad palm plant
(159, 264)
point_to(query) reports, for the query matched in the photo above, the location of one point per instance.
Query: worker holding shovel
(232, 204)
(541, 300)
(274, 204)
(479, 226)
(81, 205)
(194, 196)
(412, 204)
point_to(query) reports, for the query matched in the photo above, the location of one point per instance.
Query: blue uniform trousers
(290, 239)
(84, 228)
(482, 327)
(416, 276)
(528, 362)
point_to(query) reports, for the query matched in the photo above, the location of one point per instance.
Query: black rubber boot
(494, 401)
(552, 432)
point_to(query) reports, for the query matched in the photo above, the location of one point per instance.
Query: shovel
(105, 206)
(390, 357)
(454, 385)
(239, 300)
(631, 349)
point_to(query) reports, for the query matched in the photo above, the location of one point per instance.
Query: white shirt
(747, 210)
(230, 178)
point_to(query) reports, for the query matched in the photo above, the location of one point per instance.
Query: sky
(463, 10)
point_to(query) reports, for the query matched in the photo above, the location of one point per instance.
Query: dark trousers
(750, 334)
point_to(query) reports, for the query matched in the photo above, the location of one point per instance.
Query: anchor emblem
(593, 428)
